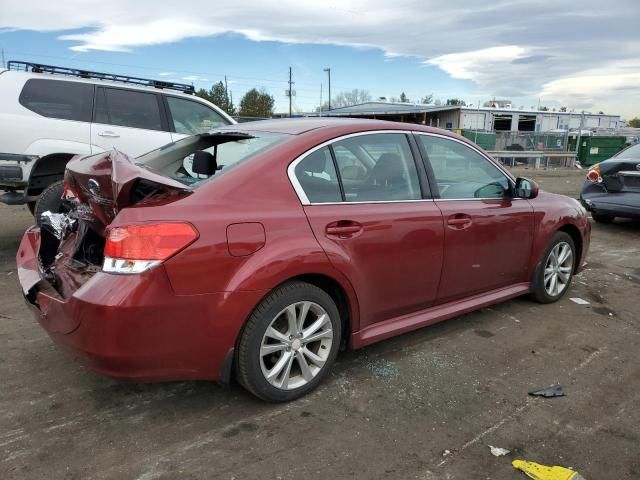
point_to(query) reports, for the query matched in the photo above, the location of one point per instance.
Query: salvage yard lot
(423, 405)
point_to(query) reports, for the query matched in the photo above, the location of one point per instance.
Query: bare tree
(345, 99)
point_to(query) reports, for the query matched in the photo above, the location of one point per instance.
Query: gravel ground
(424, 405)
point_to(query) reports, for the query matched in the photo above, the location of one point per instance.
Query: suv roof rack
(21, 66)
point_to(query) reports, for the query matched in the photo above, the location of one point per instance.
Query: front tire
(553, 276)
(289, 342)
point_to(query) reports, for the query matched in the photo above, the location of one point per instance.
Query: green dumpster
(597, 149)
(486, 140)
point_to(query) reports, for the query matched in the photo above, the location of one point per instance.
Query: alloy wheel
(296, 345)
(558, 269)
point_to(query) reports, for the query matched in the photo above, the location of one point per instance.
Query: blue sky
(248, 64)
(586, 57)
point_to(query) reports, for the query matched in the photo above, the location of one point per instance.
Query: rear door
(373, 216)
(131, 121)
(488, 234)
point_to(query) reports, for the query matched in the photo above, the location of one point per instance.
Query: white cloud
(166, 74)
(471, 65)
(519, 48)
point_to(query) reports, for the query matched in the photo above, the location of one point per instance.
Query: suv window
(191, 117)
(58, 99)
(461, 172)
(317, 177)
(128, 108)
(378, 167)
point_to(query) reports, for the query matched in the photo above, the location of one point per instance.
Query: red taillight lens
(149, 241)
(594, 175)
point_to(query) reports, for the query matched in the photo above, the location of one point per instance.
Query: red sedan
(259, 250)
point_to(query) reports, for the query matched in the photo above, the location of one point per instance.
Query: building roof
(390, 108)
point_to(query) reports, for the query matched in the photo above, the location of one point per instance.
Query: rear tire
(289, 342)
(601, 218)
(554, 273)
(50, 200)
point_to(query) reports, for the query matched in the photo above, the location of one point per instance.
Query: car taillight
(68, 193)
(594, 175)
(136, 248)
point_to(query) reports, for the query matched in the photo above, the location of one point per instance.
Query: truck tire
(50, 200)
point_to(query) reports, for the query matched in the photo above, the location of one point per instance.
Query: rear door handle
(343, 228)
(108, 134)
(459, 221)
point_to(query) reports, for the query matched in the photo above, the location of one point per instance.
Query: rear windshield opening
(222, 151)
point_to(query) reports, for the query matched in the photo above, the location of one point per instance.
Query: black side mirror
(526, 188)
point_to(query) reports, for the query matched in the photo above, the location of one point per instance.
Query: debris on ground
(542, 472)
(579, 301)
(552, 391)
(498, 452)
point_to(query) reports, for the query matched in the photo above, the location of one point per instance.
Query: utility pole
(226, 94)
(320, 98)
(4, 65)
(290, 91)
(328, 70)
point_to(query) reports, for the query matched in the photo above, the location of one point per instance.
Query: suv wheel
(555, 272)
(50, 200)
(289, 343)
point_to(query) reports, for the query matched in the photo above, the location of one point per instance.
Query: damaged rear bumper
(134, 327)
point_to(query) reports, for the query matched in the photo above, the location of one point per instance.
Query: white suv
(49, 114)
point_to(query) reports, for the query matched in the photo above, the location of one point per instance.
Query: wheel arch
(574, 233)
(47, 170)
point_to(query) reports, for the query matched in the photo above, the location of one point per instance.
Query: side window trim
(338, 174)
(423, 177)
(431, 175)
(329, 143)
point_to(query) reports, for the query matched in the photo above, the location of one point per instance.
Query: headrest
(316, 162)
(204, 163)
(387, 170)
(353, 172)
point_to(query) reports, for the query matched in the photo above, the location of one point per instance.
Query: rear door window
(58, 99)
(318, 178)
(191, 117)
(377, 168)
(128, 108)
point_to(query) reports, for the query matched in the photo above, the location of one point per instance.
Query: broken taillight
(594, 175)
(136, 248)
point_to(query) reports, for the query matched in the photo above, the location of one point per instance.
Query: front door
(368, 211)
(131, 121)
(488, 234)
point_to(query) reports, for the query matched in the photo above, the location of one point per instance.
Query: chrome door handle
(108, 134)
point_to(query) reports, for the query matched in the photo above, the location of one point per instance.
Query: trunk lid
(111, 181)
(621, 174)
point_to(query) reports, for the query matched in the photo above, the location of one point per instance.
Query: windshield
(224, 150)
(632, 152)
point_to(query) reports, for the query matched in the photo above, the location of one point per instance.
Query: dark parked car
(612, 188)
(261, 249)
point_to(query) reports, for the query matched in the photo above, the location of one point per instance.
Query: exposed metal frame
(306, 202)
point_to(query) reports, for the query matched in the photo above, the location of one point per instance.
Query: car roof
(297, 126)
